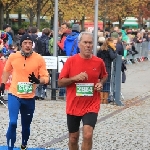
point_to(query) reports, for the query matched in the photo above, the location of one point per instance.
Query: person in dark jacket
(119, 45)
(17, 37)
(45, 41)
(138, 38)
(108, 53)
(37, 45)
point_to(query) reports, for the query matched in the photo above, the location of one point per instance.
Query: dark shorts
(73, 122)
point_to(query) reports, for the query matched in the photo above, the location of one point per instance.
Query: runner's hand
(33, 79)
(98, 86)
(81, 77)
(2, 89)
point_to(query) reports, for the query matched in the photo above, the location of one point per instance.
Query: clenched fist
(81, 77)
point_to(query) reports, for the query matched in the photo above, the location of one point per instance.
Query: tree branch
(46, 12)
(44, 5)
(12, 4)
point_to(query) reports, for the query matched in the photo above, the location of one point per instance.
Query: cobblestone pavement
(118, 128)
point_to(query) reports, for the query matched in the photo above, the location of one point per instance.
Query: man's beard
(26, 54)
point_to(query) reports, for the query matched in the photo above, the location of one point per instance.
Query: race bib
(84, 89)
(24, 87)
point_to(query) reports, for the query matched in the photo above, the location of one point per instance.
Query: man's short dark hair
(120, 34)
(33, 30)
(21, 31)
(46, 31)
(5, 26)
(67, 24)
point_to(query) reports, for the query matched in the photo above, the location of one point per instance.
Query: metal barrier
(115, 83)
(142, 49)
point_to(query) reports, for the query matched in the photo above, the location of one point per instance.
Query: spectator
(44, 39)
(37, 45)
(64, 31)
(116, 29)
(107, 33)
(138, 38)
(108, 53)
(101, 38)
(7, 29)
(4, 37)
(119, 45)
(18, 37)
(76, 28)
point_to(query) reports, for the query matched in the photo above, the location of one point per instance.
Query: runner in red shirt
(83, 75)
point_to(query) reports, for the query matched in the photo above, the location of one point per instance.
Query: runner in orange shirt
(83, 75)
(28, 69)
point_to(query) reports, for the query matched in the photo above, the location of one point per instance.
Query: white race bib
(24, 87)
(84, 89)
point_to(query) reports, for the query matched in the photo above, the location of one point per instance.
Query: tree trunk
(82, 22)
(19, 18)
(7, 17)
(1, 15)
(7, 14)
(52, 22)
(120, 22)
(60, 20)
(38, 13)
(104, 23)
(31, 17)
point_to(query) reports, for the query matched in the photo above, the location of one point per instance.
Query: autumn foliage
(76, 9)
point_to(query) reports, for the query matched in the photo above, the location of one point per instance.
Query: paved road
(138, 80)
(118, 128)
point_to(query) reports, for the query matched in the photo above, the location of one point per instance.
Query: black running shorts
(73, 122)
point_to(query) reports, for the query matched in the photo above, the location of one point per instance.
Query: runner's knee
(87, 135)
(13, 124)
(73, 140)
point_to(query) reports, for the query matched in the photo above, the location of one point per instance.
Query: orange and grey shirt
(21, 67)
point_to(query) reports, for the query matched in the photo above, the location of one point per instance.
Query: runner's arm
(65, 82)
(103, 80)
(103, 74)
(43, 73)
(5, 76)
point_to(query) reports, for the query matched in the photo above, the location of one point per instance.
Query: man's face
(120, 37)
(139, 35)
(116, 29)
(8, 29)
(27, 46)
(115, 43)
(86, 45)
(63, 28)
